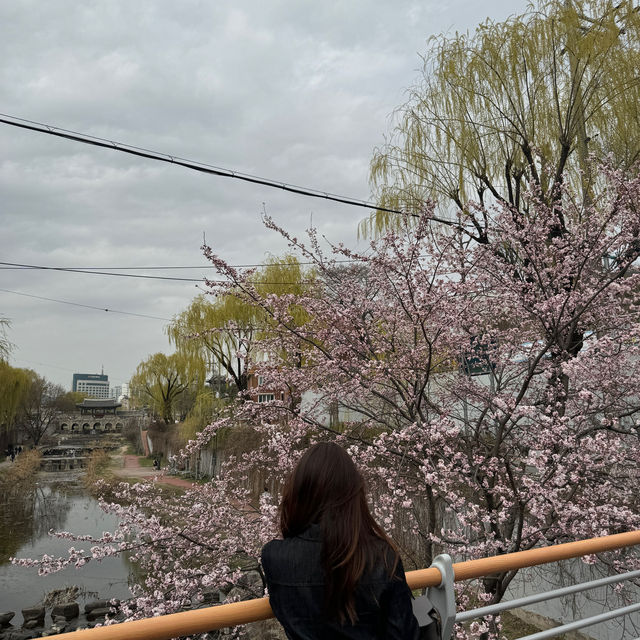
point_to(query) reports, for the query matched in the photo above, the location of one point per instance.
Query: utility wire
(100, 273)
(23, 267)
(86, 306)
(17, 359)
(170, 267)
(42, 364)
(202, 167)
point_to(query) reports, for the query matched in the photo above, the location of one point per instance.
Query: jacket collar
(312, 532)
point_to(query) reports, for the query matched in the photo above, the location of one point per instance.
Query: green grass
(513, 627)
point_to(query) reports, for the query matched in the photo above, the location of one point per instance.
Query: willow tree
(220, 332)
(161, 381)
(216, 333)
(521, 102)
(5, 345)
(14, 384)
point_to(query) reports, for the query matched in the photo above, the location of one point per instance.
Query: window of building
(266, 397)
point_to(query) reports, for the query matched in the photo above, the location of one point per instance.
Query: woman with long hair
(335, 573)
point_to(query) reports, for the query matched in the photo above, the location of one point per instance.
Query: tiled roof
(99, 403)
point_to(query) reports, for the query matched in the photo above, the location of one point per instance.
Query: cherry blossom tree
(489, 392)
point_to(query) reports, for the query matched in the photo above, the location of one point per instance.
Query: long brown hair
(326, 488)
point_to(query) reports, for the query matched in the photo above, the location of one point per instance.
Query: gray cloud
(296, 91)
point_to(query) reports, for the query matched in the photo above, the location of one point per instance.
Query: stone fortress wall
(77, 423)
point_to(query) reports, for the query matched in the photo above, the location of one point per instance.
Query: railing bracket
(441, 598)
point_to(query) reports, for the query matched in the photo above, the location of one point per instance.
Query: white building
(93, 385)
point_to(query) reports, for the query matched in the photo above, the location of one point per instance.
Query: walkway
(131, 469)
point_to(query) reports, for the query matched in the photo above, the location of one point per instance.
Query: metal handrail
(585, 622)
(493, 609)
(230, 615)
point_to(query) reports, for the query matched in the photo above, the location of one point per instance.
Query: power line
(202, 167)
(42, 364)
(86, 306)
(22, 267)
(14, 358)
(170, 267)
(100, 273)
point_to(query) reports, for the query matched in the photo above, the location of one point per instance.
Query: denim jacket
(295, 577)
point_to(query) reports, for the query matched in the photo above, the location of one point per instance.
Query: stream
(58, 501)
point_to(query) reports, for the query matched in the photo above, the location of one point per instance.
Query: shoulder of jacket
(271, 549)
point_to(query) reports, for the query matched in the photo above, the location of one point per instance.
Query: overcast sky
(299, 92)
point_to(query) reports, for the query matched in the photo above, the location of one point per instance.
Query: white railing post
(441, 598)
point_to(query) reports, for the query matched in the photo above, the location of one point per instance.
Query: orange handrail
(531, 558)
(230, 615)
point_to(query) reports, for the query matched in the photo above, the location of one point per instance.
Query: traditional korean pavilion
(98, 407)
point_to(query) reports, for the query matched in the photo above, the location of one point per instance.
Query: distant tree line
(30, 404)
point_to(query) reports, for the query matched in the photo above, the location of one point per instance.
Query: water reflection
(25, 520)
(27, 516)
